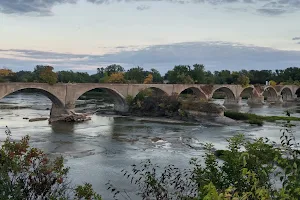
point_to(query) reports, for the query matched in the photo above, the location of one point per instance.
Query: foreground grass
(257, 119)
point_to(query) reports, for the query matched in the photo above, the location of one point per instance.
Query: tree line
(183, 74)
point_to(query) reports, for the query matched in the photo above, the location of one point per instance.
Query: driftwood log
(72, 117)
(37, 119)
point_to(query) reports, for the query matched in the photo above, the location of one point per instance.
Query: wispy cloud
(36, 7)
(271, 11)
(44, 7)
(143, 7)
(214, 55)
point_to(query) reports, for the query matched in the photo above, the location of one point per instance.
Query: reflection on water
(99, 149)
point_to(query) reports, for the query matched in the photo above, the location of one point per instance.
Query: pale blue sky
(85, 28)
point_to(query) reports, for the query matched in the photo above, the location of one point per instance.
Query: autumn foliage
(148, 79)
(272, 83)
(6, 72)
(116, 78)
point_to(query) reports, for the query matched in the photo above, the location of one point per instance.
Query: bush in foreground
(28, 173)
(247, 170)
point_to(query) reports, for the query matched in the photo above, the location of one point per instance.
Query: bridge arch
(197, 92)
(286, 94)
(248, 92)
(298, 93)
(270, 93)
(229, 94)
(153, 91)
(119, 99)
(58, 106)
(44, 92)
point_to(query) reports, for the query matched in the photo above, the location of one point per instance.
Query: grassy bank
(257, 119)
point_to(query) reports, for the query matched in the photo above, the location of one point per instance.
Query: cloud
(37, 7)
(271, 11)
(143, 7)
(296, 38)
(44, 7)
(214, 55)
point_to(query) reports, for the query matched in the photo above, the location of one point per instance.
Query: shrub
(250, 170)
(27, 173)
(257, 119)
(129, 99)
(258, 122)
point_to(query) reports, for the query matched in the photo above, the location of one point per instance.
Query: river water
(99, 149)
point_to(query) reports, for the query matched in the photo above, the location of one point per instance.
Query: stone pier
(57, 110)
(233, 102)
(256, 100)
(275, 99)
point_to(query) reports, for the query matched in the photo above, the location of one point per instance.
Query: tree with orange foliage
(6, 72)
(116, 78)
(148, 79)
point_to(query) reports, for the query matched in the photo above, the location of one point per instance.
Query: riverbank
(258, 119)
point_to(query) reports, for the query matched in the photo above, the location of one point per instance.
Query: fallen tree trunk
(38, 119)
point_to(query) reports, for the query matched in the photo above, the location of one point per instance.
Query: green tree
(46, 74)
(179, 74)
(209, 77)
(114, 68)
(198, 73)
(157, 78)
(135, 75)
(243, 80)
(234, 77)
(223, 77)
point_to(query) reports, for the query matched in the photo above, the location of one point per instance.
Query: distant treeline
(179, 74)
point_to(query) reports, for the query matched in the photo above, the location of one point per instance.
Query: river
(99, 149)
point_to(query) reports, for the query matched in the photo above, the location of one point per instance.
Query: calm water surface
(99, 149)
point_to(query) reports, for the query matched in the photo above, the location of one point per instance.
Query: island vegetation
(257, 119)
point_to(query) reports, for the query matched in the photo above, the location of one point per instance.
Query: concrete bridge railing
(64, 96)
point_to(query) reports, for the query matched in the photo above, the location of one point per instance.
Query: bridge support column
(288, 98)
(275, 99)
(256, 100)
(121, 108)
(57, 110)
(233, 102)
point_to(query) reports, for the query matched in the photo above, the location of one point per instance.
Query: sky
(82, 35)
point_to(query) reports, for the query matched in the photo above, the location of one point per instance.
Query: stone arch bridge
(64, 96)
